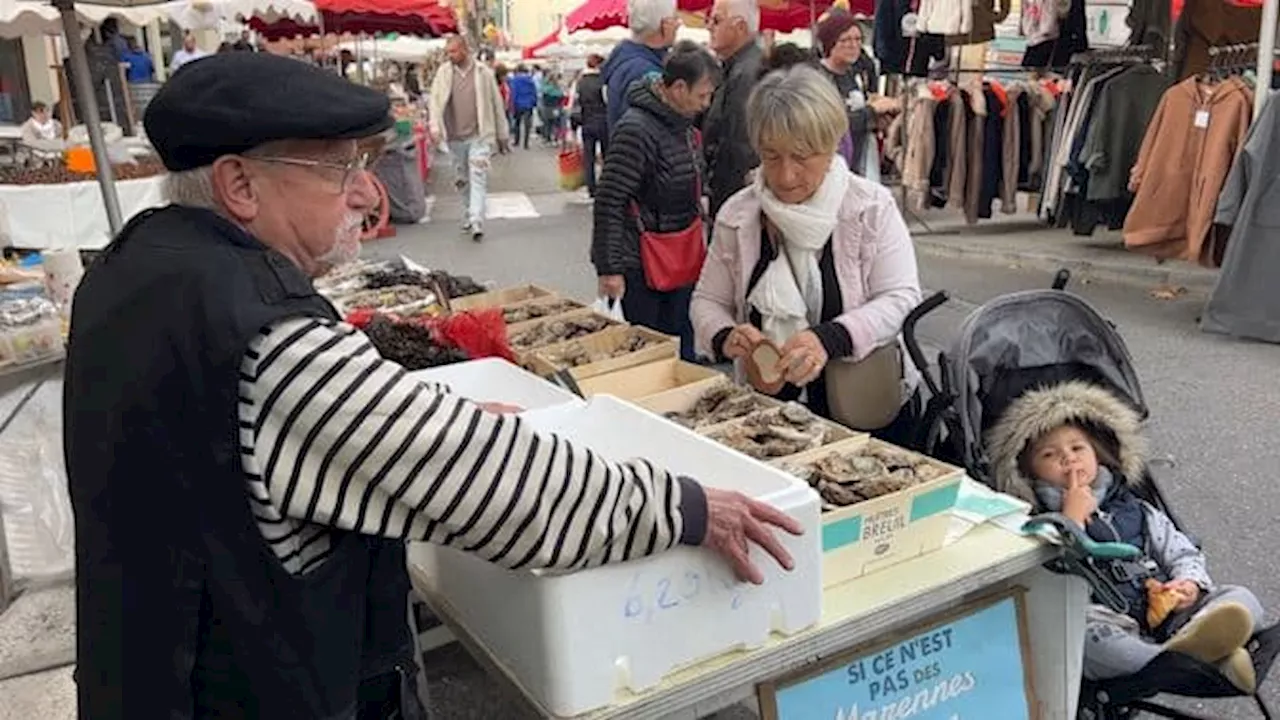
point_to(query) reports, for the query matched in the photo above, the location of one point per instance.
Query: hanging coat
(1184, 160)
(1244, 302)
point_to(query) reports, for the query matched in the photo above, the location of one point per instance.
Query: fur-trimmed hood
(1106, 417)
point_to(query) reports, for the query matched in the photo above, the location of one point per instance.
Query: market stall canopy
(207, 14)
(21, 18)
(531, 51)
(614, 35)
(780, 15)
(400, 49)
(427, 18)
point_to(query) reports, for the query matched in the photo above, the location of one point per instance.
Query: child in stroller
(1072, 448)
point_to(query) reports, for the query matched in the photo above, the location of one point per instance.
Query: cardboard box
(505, 296)
(859, 539)
(683, 398)
(543, 361)
(515, 329)
(655, 378)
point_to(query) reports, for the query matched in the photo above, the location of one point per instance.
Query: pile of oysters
(549, 332)
(848, 478)
(776, 433)
(577, 354)
(722, 403)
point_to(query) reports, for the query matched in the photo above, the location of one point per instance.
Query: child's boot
(1214, 634)
(1238, 668)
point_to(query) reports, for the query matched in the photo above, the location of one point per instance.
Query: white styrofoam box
(579, 641)
(496, 380)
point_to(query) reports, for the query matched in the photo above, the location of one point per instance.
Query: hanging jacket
(1182, 166)
(654, 162)
(629, 62)
(1244, 302)
(985, 18)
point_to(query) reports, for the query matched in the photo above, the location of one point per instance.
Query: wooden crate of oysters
(616, 348)
(881, 504)
(642, 382)
(708, 403)
(778, 432)
(527, 336)
(502, 296)
(537, 308)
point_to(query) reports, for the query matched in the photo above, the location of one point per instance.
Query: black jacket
(724, 129)
(593, 113)
(653, 162)
(182, 610)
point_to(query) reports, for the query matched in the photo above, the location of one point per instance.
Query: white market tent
(402, 49)
(211, 14)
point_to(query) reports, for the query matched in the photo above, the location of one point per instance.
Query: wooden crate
(504, 296)
(644, 381)
(570, 303)
(541, 362)
(862, 538)
(516, 328)
(835, 432)
(683, 398)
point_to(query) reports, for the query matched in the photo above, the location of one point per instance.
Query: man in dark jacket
(734, 26)
(593, 117)
(653, 26)
(652, 179)
(245, 468)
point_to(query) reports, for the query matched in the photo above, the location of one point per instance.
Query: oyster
(550, 332)
(577, 354)
(845, 478)
(535, 310)
(720, 404)
(775, 433)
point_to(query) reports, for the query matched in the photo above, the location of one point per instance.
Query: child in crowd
(1075, 448)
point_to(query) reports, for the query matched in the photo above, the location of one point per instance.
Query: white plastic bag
(609, 306)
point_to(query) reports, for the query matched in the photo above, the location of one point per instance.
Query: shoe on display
(1238, 668)
(1214, 634)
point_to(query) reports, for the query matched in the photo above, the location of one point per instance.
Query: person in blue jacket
(653, 25)
(524, 99)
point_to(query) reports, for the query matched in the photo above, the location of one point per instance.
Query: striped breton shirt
(335, 438)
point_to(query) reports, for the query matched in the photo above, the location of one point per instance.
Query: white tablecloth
(69, 215)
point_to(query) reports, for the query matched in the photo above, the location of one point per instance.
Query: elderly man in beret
(245, 468)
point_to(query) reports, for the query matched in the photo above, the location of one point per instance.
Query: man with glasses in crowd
(735, 28)
(245, 469)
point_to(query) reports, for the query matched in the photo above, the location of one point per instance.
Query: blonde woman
(815, 259)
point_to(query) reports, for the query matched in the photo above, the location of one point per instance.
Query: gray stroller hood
(1026, 338)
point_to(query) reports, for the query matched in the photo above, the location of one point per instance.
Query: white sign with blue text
(966, 669)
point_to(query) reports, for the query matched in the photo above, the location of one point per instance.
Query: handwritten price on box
(965, 668)
(650, 594)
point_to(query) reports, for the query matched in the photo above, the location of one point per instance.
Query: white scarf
(789, 293)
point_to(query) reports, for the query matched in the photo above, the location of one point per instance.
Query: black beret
(232, 102)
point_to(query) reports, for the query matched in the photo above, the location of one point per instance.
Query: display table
(873, 609)
(69, 215)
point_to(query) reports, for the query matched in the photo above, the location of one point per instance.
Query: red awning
(530, 51)
(779, 15)
(408, 17)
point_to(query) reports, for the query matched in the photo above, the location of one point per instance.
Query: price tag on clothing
(1202, 119)
(910, 25)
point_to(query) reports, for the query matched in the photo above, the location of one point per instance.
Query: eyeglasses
(350, 169)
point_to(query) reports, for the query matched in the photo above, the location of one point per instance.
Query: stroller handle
(931, 303)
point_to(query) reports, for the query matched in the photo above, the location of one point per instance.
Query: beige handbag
(867, 394)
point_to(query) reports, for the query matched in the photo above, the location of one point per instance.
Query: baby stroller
(1039, 338)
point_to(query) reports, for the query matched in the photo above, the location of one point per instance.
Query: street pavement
(1213, 400)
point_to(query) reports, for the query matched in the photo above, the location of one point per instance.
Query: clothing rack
(1131, 54)
(905, 90)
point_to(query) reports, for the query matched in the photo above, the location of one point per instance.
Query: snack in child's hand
(1161, 602)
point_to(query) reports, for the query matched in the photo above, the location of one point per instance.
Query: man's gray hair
(193, 188)
(748, 10)
(646, 16)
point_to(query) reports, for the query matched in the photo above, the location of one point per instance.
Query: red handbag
(672, 260)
